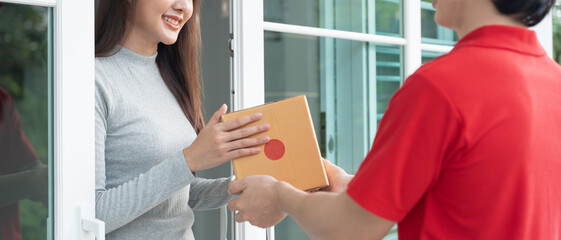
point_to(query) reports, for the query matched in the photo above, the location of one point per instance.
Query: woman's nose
(185, 6)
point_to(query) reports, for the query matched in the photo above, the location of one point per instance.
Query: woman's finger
(238, 153)
(215, 119)
(246, 132)
(246, 143)
(240, 122)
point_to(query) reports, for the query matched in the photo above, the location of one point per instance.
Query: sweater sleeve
(209, 193)
(120, 205)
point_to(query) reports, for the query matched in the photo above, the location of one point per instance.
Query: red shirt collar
(512, 38)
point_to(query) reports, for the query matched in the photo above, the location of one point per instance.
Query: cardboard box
(292, 155)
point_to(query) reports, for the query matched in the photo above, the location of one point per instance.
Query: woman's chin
(169, 41)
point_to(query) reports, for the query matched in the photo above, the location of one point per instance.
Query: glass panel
(388, 79)
(348, 85)
(430, 31)
(364, 16)
(429, 56)
(25, 139)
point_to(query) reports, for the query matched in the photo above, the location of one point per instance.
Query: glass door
(46, 120)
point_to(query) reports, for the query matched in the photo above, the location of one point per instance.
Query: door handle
(95, 226)
(92, 225)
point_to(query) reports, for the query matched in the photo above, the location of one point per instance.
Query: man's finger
(232, 204)
(327, 162)
(236, 187)
(238, 218)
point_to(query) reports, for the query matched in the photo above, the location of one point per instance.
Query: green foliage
(388, 18)
(23, 40)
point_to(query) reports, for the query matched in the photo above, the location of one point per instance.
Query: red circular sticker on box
(274, 149)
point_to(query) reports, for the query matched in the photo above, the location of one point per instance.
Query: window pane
(364, 16)
(430, 31)
(428, 56)
(388, 77)
(348, 85)
(24, 121)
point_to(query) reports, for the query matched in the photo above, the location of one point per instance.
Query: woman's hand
(219, 142)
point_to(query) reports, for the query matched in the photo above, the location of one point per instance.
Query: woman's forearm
(209, 193)
(120, 205)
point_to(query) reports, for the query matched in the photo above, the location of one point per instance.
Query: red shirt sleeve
(15, 149)
(416, 136)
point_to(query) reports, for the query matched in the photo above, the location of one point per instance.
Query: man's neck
(483, 16)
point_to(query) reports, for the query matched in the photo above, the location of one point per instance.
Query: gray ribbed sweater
(144, 188)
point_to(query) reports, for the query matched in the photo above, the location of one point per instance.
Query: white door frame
(248, 85)
(73, 118)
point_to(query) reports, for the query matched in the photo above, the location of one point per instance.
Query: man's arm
(264, 202)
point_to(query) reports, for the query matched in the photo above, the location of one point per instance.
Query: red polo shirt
(15, 152)
(470, 146)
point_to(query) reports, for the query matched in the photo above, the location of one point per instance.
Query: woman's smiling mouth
(172, 21)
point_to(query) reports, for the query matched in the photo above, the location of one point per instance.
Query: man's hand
(258, 202)
(265, 201)
(338, 178)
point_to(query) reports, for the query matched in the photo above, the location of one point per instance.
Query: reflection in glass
(24, 125)
(348, 85)
(346, 15)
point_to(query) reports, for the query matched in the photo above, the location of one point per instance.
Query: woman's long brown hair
(179, 63)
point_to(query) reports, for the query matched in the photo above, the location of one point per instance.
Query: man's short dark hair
(529, 12)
